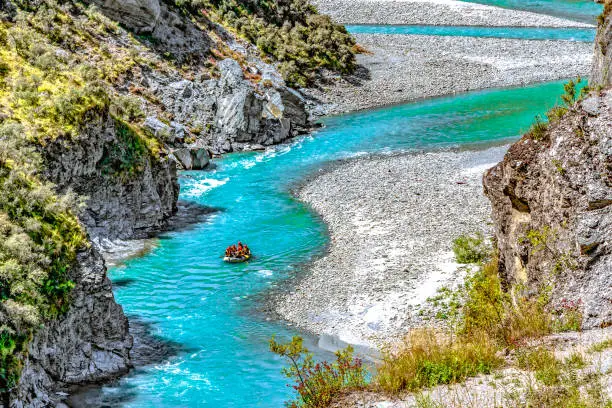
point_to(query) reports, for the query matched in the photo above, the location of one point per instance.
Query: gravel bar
(392, 221)
(435, 12)
(408, 67)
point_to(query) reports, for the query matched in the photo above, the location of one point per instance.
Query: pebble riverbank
(408, 67)
(434, 12)
(392, 221)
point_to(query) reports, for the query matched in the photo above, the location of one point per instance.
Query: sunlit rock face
(552, 207)
(602, 58)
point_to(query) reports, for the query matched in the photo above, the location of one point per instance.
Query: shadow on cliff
(148, 349)
(188, 216)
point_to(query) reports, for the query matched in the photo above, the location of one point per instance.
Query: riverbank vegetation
(55, 78)
(488, 329)
(574, 90)
(289, 31)
(317, 384)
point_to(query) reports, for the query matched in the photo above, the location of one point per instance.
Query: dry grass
(431, 358)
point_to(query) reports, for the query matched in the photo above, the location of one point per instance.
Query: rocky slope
(552, 201)
(111, 105)
(89, 343)
(551, 198)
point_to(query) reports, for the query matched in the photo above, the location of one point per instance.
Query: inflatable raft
(240, 259)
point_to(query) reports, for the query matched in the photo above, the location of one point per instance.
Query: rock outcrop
(552, 207)
(231, 113)
(602, 58)
(134, 202)
(552, 200)
(89, 343)
(172, 33)
(141, 16)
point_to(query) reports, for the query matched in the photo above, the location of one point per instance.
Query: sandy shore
(434, 12)
(407, 67)
(392, 221)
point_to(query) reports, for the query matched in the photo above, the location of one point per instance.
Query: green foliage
(572, 92)
(485, 302)
(538, 129)
(10, 364)
(39, 240)
(601, 346)
(559, 166)
(318, 383)
(291, 31)
(470, 249)
(539, 240)
(430, 359)
(129, 156)
(542, 362)
(568, 316)
(562, 383)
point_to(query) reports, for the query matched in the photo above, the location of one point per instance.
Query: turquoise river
(524, 33)
(212, 310)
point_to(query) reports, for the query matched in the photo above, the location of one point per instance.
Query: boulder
(140, 16)
(191, 158)
(171, 134)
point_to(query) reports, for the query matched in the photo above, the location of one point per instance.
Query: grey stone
(157, 127)
(560, 185)
(61, 350)
(192, 158)
(591, 105)
(140, 16)
(117, 207)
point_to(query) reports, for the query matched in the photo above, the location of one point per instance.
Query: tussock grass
(430, 359)
(601, 346)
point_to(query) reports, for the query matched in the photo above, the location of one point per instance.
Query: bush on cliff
(54, 80)
(470, 248)
(290, 31)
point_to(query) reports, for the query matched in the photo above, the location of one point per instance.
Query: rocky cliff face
(89, 343)
(227, 114)
(119, 205)
(552, 201)
(602, 58)
(552, 207)
(230, 113)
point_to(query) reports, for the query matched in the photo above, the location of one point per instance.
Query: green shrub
(573, 91)
(538, 129)
(470, 249)
(430, 359)
(318, 383)
(562, 384)
(291, 31)
(601, 346)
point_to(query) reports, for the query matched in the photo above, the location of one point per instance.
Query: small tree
(318, 383)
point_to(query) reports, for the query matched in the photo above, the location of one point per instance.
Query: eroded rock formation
(89, 343)
(552, 207)
(552, 200)
(123, 199)
(602, 57)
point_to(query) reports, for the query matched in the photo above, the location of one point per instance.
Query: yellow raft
(236, 259)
